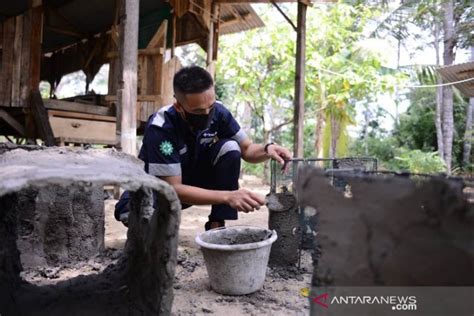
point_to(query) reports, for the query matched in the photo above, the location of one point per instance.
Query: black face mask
(198, 122)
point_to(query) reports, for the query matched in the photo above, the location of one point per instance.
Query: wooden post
(30, 77)
(7, 61)
(35, 48)
(16, 75)
(299, 81)
(127, 92)
(210, 62)
(41, 118)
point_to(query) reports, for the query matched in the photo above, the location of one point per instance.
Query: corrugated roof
(237, 18)
(460, 72)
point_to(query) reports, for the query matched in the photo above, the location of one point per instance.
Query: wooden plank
(156, 74)
(92, 117)
(173, 31)
(145, 110)
(142, 75)
(35, 48)
(151, 51)
(7, 62)
(10, 120)
(143, 51)
(171, 67)
(25, 88)
(41, 118)
(210, 44)
(1, 36)
(83, 131)
(78, 107)
(160, 36)
(149, 97)
(113, 76)
(16, 75)
(150, 77)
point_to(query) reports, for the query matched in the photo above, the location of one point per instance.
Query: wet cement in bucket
(237, 236)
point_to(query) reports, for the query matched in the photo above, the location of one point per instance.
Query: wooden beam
(127, 91)
(287, 18)
(299, 81)
(159, 36)
(144, 51)
(7, 61)
(16, 75)
(140, 97)
(173, 32)
(35, 48)
(210, 62)
(41, 118)
(78, 107)
(10, 120)
(217, 26)
(92, 117)
(25, 88)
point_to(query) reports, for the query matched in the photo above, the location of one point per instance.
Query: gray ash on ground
(287, 273)
(186, 261)
(48, 274)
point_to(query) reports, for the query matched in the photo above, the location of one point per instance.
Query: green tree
(258, 69)
(417, 130)
(344, 69)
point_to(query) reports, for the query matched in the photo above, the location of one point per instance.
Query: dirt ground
(280, 294)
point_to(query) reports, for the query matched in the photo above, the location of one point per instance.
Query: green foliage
(252, 169)
(45, 89)
(417, 161)
(257, 70)
(417, 126)
(344, 68)
(381, 148)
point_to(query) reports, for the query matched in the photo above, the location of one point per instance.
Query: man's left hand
(278, 153)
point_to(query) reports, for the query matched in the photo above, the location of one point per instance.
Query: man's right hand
(244, 200)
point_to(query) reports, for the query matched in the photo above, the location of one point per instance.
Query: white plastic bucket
(236, 257)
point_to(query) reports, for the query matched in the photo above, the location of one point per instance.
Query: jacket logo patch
(166, 148)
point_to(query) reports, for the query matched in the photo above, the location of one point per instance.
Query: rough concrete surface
(391, 230)
(141, 280)
(284, 218)
(58, 225)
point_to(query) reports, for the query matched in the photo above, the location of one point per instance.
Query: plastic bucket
(236, 257)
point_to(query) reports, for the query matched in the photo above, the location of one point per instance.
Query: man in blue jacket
(196, 146)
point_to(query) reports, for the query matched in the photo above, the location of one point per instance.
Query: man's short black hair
(193, 79)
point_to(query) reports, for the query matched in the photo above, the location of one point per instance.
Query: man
(196, 145)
